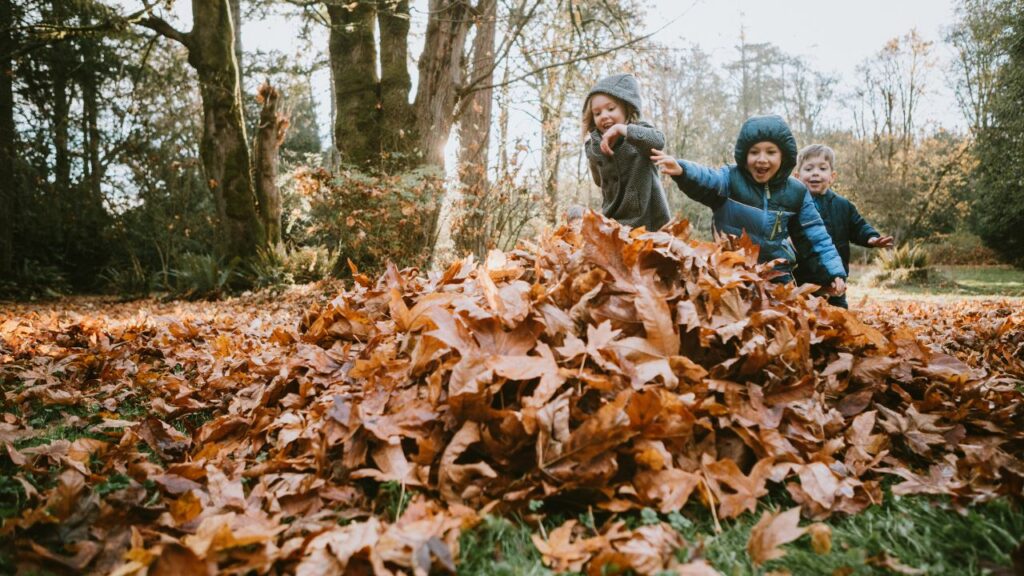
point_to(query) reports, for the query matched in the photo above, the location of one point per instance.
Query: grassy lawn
(909, 535)
(948, 282)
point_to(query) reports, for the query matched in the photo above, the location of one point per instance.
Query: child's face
(607, 111)
(816, 173)
(763, 161)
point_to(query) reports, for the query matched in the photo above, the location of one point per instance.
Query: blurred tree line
(137, 156)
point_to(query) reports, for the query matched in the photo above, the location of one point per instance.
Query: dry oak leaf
(744, 491)
(772, 531)
(230, 530)
(175, 560)
(561, 553)
(650, 549)
(329, 553)
(919, 430)
(666, 490)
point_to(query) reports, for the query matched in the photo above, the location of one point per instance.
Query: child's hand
(610, 136)
(838, 287)
(880, 241)
(665, 163)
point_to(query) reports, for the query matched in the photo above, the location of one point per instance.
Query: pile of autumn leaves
(594, 369)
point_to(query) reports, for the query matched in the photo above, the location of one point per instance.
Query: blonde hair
(632, 115)
(816, 151)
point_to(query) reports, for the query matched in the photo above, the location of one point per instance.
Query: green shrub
(309, 263)
(366, 219)
(905, 257)
(267, 269)
(32, 280)
(278, 266)
(204, 276)
(960, 248)
(131, 280)
(907, 264)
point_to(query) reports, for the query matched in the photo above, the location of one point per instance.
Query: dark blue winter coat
(845, 225)
(776, 215)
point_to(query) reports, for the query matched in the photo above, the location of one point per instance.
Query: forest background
(143, 148)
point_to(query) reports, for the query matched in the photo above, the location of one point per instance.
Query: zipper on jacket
(775, 229)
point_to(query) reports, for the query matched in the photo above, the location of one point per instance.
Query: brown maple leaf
(735, 491)
(772, 531)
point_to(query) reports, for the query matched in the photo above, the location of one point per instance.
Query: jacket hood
(622, 86)
(771, 128)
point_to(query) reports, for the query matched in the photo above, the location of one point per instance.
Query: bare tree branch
(163, 28)
(583, 58)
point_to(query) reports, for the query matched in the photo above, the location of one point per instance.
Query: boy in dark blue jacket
(757, 195)
(815, 167)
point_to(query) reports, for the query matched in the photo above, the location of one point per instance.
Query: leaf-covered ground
(631, 402)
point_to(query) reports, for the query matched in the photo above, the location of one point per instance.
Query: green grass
(956, 281)
(994, 280)
(499, 547)
(923, 533)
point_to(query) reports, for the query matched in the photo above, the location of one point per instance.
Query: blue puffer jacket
(776, 215)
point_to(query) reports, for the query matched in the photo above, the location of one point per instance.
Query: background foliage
(104, 187)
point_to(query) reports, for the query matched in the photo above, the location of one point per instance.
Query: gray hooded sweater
(631, 190)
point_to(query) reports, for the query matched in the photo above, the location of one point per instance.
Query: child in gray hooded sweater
(619, 148)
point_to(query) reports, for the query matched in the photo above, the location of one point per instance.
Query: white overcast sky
(835, 36)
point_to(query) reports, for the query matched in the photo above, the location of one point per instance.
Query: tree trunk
(9, 205)
(269, 135)
(551, 157)
(395, 112)
(224, 149)
(440, 76)
(353, 55)
(475, 134)
(60, 63)
(93, 164)
(236, 22)
(554, 88)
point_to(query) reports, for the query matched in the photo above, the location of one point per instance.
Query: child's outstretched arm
(812, 229)
(709, 186)
(864, 234)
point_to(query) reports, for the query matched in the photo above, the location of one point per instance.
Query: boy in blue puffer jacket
(757, 195)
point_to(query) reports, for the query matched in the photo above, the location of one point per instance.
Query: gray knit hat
(622, 86)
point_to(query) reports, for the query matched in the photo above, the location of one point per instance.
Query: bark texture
(224, 148)
(353, 55)
(440, 76)
(8, 183)
(270, 134)
(475, 134)
(397, 139)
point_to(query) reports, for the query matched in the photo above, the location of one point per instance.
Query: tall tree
(441, 73)
(998, 210)
(976, 37)
(395, 112)
(758, 86)
(9, 185)
(270, 133)
(353, 55)
(224, 147)
(806, 93)
(475, 132)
